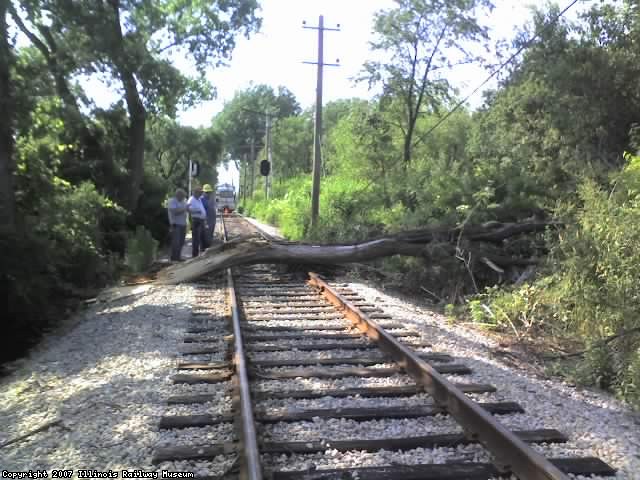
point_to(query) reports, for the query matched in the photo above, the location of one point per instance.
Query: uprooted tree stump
(482, 242)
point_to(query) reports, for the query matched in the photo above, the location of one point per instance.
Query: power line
(526, 45)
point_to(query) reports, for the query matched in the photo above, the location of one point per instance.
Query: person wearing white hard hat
(198, 220)
(177, 210)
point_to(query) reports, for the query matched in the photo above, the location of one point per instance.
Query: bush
(57, 255)
(288, 209)
(151, 212)
(142, 250)
(593, 293)
(524, 310)
(29, 278)
(347, 209)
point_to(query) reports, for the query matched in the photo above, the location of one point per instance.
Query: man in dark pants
(198, 219)
(177, 210)
(209, 202)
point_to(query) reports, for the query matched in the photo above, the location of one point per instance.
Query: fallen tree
(472, 243)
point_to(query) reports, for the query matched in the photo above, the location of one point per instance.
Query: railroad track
(308, 369)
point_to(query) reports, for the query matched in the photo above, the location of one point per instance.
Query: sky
(275, 55)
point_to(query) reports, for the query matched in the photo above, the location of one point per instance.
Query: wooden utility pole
(245, 183)
(253, 164)
(317, 132)
(269, 178)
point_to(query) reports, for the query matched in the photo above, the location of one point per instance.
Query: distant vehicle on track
(226, 198)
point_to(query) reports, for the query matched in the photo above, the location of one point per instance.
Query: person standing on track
(209, 202)
(177, 210)
(198, 219)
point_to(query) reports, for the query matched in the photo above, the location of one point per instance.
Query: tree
(242, 121)
(564, 112)
(170, 147)
(292, 145)
(59, 63)
(336, 110)
(361, 147)
(423, 38)
(7, 197)
(243, 118)
(129, 40)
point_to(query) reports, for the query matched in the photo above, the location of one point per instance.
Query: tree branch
(601, 343)
(175, 162)
(414, 66)
(427, 69)
(167, 47)
(50, 53)
(33, 38)
(47, 425)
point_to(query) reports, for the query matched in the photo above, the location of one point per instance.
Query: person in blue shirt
(209, 202)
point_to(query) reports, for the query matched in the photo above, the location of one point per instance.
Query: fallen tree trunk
(432, 243)
(260, 251)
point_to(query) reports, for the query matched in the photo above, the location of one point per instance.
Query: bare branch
(427, 69)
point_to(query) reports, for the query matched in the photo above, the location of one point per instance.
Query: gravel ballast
(103, 378)
(106, 379)
(596, 423)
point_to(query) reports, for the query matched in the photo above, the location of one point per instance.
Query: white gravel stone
(273, 231)
(108, 376)
(294, 354)
(105, 374)
(295, 303)
(334, 459)
(268, 298)
(220, 405)
(327, 383)
(198, 388)
(220, 433)
(297, 324)
(298, 315)
(201, 358)
(334, 368)
(204, 373)
(344, 429)
(347, 402)
(297, 328)
(291, 343)
(363, 402)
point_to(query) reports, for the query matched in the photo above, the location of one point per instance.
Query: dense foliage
(548, 143)
(82, 188)
(589, 290)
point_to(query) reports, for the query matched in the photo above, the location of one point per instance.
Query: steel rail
(250, 468)
(510, 454)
